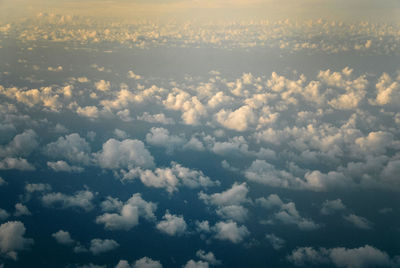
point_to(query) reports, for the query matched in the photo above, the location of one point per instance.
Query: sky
(199, 134)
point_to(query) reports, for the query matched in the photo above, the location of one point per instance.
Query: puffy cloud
(388, 91)
(3, 214)
(359, 222)
(276, 242)
(102, 85)
(81, 199)
(63, 237)
(331, 206)
(71, 147)
(366, 256)
(238, 120)
(21, 210)
(156, 118)
(173, 177)
(16, 163)
(128, 214)
(21, 145)
(161, 137)
(287, 214)
(12, 239)
(230, 231)
(173, 225)
(236, 195)
(98, 246)
(61, 165)
(37, 187)
(208, 257)
(88, 111)
(144, 262)
(196, 264)
(124, 154)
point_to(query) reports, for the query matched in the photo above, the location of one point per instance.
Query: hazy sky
(211, 9)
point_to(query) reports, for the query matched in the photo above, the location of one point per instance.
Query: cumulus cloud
(12, 239)
(276, 242)
(72, 147)
(16, 163)
(21, 210)
(332, 206)
(62, 166)
(80, 199)
(156, 118)
(359, 222)
(287, 213)
(102, 85)
(230, 231)
(161, 137)
(196, 264)
(63, 237)
(21, 145)
(172, 225)
(208, 257)
(366, 256)
(126, 214)
(124, 154)
(172, 177)
(3, 214)
(98, 246)
(144, 262)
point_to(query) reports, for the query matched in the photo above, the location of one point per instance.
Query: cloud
(196, 264)
(359, 222)
(21, 145)
(144, 262)
(276, 242)
(62, 166)
(161, 137)
(366, 256)
(3, 214)
(172, 177)
(208, 257)
(80, 199)
(2, 181)
(287, 213)
(172, 225)
(12, 239)
(16, 163)
(128, 214)
(102, 85)
(21, 210)
(230, 231)
(238, 120)
(331, 206)
(124, 154)
(98, 246)
(71, 147)
(63, 237)
(156, 118)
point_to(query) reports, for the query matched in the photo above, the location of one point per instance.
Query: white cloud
(144, 262)
(359, 222)
(156, 118)
(161, 137)
(102, 85)
(63, 166)
(71, 147)
(173, 225)
(98, 246)
(3, 214)
(81, 199)
(88, 111)
(63, 237)
(16, 163)
(276, 242)
(124, 154)
(21, 210)
(238, 120)
(21, 145)
(132, 75)
(331, 206)
(366, 256)
(208, 257)
(128, 214)
(236, 195)
(12, 239)
(230, 231)
(196, 264)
